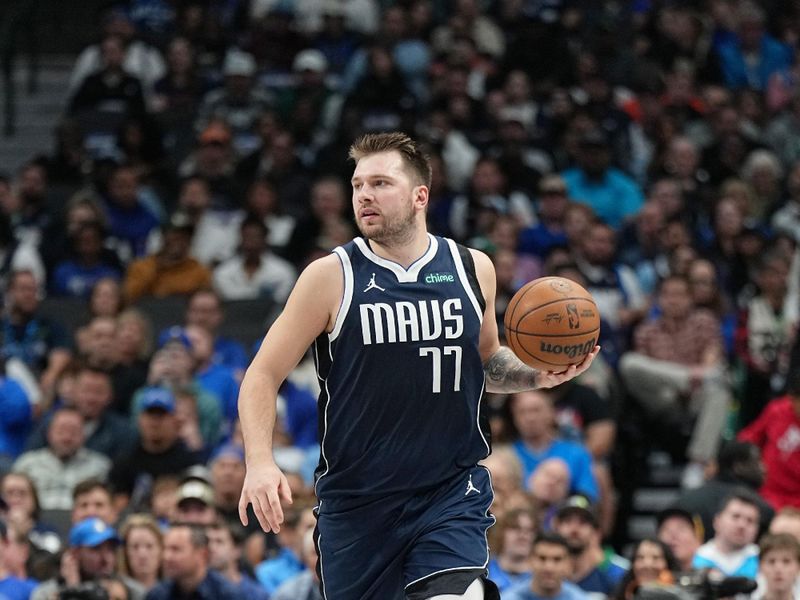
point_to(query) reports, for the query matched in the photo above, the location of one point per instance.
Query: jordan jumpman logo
(372, 285)
(471, 487)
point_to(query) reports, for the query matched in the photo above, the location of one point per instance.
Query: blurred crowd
(649, 150)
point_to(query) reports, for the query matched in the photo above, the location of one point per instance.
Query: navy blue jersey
(401, 376)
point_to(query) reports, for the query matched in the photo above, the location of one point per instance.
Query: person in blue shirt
(87, 264)
(550, 566)
(533, 417)
(613, 195)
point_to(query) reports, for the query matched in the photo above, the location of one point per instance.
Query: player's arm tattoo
(506, 374)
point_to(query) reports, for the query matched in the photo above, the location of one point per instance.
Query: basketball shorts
(408, 546)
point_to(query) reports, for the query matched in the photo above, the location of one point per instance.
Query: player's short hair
(415, 160)
(778, 541)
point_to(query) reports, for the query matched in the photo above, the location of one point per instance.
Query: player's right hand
(264, 487)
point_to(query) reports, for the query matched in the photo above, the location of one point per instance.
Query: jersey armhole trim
(347, 296)
(466, 281)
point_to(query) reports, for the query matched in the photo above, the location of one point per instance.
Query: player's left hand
(548, 379)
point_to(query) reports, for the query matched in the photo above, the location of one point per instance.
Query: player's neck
(404, 253)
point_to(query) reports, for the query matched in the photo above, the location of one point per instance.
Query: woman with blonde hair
(141, 550)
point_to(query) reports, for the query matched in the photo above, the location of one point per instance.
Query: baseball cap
(180, 220)
(579, 505)
(694, 521)
(158, 398)
(175, 333)
(310, 60)
(239, 63)
(91, 532)
(196, 490)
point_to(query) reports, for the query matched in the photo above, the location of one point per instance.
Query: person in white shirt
(254, 272)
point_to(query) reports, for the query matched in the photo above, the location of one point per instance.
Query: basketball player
(405, 342)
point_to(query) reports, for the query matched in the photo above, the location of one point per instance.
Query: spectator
(174, 366)
(613, 285)
(213, 159)
(552, 208)
(205, 310)
(752, 56)
(324, 226)
(12, 546)
(158, 452)
(16, 255)
(40, 343)
(140, 59)
(196, 503)
(732, 550)
(227, 478)
(110, 89)
(255, 272)
(779, 567)
(678, 529)
(767, 326)
(738, 465)
(105, 299)
(550, 569)
(92, 498)
(679, 354)
(306, 583)
(550, 484)
(706, 293)
(595, 570)
(33, 218)
(262, 202)
(130, 215)
(186, 567)
(142, 549)
(225, 542)
(218, 380)
(612, 195)
(111, 434)
(777, 434)
(652, 564)
(57, 468)
(512, 546)
(18, 492)
(170, 271)
(238, 103)
(77, 275)
(91, 554)
(278, 161)
(534, 418)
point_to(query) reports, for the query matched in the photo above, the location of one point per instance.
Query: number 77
(436, 354)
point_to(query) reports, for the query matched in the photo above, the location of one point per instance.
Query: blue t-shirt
(12, 588)
(605, 578)
(73, 279)
(220, 381)
(614, 198)
(523, 591)
(743, 563)
(505, 580)
(576, 456)
(230, 353)
(273, 572)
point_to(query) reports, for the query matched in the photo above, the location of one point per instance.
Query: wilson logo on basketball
(570, 350)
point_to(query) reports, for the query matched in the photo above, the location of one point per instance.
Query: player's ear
(421, 195)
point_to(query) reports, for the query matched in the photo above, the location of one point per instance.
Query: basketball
(552, 323)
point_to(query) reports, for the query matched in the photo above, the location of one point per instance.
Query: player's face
(383, 199)
(780, 568)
